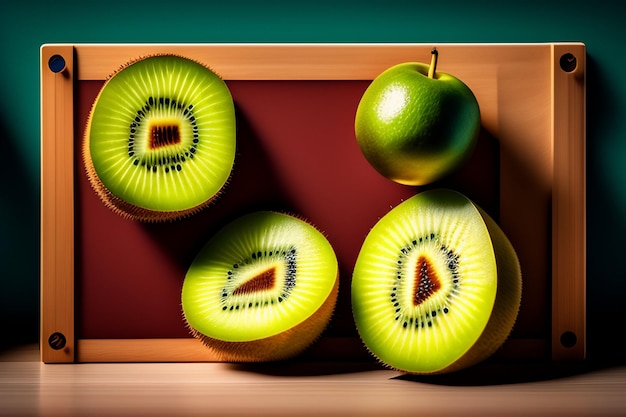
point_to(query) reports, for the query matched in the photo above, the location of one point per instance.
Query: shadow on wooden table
(484, 374)
(503, 373)
(296, 368)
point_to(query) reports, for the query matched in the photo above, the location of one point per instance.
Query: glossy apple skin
(413, 129)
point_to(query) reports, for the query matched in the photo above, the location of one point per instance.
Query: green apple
(415, 125)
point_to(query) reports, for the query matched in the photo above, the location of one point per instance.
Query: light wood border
(563, 175)
(568, 205)
(57, 205)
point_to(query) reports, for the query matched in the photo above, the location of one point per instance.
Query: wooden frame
(508, 79)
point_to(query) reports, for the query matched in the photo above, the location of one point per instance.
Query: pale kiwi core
(425, 283)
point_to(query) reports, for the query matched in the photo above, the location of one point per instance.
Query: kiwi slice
(436, 286)
(263, 288)
(160, 138)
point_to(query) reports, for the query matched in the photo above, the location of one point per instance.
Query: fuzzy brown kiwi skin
(122, 208)
(136, 213)
(283, 346)
(507, 303)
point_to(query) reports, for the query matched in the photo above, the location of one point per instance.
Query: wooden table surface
(31, 388)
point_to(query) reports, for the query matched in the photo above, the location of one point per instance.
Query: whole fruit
(415, 125)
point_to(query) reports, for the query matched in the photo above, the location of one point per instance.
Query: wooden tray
(296, 151)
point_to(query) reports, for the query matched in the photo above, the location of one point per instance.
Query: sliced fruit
(160, 138)
(263, 288)
(436, 286)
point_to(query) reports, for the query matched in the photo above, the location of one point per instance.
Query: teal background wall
(25, 26)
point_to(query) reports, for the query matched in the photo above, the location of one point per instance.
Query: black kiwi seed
(425, 286)
(287, 255)
(163, 135)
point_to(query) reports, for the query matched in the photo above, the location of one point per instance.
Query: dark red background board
(296, 152)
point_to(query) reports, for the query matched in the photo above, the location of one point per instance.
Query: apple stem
(433, 63)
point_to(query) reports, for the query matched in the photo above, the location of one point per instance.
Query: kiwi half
(436, 286)
(160, 138)
(263, 288)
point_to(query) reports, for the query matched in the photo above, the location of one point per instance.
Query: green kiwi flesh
(160, 138)
(263, 288)
(436, 286)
